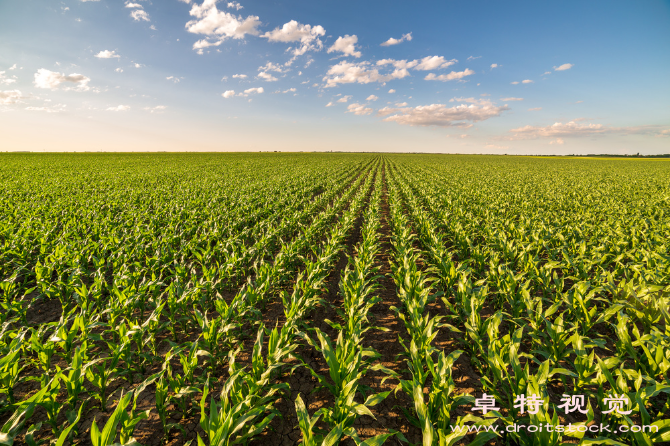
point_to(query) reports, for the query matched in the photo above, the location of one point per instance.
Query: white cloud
(156, 109)
(272, 67)
(391, 90)
(220, 25)
(13, 67)
(292, 31)
(575, 128)
(119, 108)
(442, 116)
(133, 5)
(290, 90)
(51, 79)
(106, 54)
(138, 65)
(344, 98)
(371, 98)
(330, 104)
(359, 109)
(54, 109)
(425, 64)
(515, 83)
(5, 80)
(266, 76)
(174, 79)
(401, 104)
(526, 81)
(473, 58)
(140, 14)
(565, 66)
(494, 65)
(466, 100)
(235, 5)
(231, 93)
(9, 97)
(434, 62)
(346, 45)
(449, 77)
(393, 41)
(546, 72)
(119, 70)
(239, 76)
(362, 73)
(511, 99)
(535, 109)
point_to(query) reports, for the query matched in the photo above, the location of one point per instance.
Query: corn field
(324, 299)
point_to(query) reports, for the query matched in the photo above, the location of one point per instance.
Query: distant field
(277, 298)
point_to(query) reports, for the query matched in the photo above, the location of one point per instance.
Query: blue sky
(459, 77)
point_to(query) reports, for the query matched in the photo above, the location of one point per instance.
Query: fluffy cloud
(344, 98)
(565, 66)
(140, 14)
(346, 45)
(239, 76)
(218, 25)
(330, 104)
(119, 108)
(119, 70)
(51, 79)
(511, 99)
(235, 5)
(466, 100)
(393, 41)
(272, 67)
(174, 79)
(106, 54)
(442, 116)
(230, 93)
(133, 5)
(253, 90)
(494, 65)
(575, 128)
(371, 98)
(425, 64)
(359, 109)
(391, 90)
(362, 73)
(266, 76)
(9, 97)
(526, 81)
(449, 77)
(5, 80)
(307, 35)
(156, 109)
(434, 62)
(55, 109)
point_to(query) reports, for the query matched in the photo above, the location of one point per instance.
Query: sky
(515, 77)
